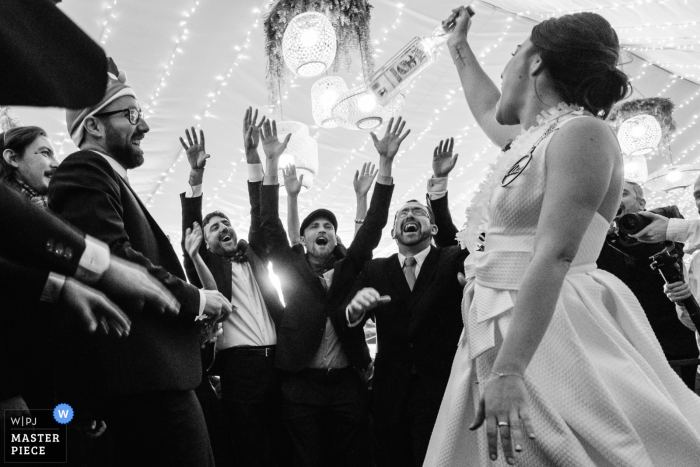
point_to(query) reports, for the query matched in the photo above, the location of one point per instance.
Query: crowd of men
(133, 341)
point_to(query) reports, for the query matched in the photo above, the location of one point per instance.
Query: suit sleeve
(84, 191)
(33, 235)
(256, 238)
(360, 283)
(369, 235)
(21, 281)
(447, 231)
(191, 213)
(272, 228)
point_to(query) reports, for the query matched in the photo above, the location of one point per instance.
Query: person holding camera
(628, 259)
(661, 228)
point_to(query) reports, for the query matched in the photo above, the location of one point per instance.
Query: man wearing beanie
(141, 386)
(323, 360)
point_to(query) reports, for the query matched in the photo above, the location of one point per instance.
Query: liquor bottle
(416, 57)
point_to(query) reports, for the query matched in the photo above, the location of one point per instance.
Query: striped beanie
(116, 88)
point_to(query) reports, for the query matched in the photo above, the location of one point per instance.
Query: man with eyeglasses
(141, 386)
(415, 299)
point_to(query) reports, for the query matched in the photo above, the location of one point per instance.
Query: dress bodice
(514, 210)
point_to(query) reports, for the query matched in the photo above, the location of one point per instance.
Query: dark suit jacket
(161, 353)
(220, 267)
(32, 243)
(417, 329)
(307, 303)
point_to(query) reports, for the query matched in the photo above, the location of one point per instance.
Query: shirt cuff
(255, 172)
(94, 261)
(347, 318)
(437, 187)
(53, 288)
(202, 305)
(194, 192)
(678, 230)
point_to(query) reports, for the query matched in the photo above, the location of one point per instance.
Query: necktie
(409, 270)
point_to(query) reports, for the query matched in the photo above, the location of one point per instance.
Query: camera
(630, 224)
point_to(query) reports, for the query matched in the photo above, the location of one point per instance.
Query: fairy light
(106, 23)
(177, 50)
(211, 97)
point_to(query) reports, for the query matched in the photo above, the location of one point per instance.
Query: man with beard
(141, 386)
(679, 230)
(628, 260)
(246, 351)
(415, 298)
(324, 396)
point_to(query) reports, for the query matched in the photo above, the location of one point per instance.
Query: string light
(105, 24)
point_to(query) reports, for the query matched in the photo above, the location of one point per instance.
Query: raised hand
(92, 310)
(363, 179)
(389, 145)
(443, 160)
(272, 146)
(251, 135)
(133, 288)
(462, 22)
(196, 154)
(193, 240)
(291, 183)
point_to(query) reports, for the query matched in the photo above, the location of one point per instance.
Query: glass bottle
(416, 57)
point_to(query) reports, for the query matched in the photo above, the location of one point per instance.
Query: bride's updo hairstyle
(580, 53)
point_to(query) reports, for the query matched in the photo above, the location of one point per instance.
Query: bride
(557, 365)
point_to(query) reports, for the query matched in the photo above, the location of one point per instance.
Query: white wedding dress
(601, 392)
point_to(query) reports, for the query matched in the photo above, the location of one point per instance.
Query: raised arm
(193, 242)
(369, 235)
(251, 139)
(481, 93)
(443, 163)
(293, 186)
(274, 233)
(362, 183)
(581, 160)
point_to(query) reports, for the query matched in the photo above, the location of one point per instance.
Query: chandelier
(639, 135)
(309, 44)
(673, 178)
(635, 168)
(302, 151)
(324, 94)
(358, 109)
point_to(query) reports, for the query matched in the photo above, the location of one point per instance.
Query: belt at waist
(262, 351)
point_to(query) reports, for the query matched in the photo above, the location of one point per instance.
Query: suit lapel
(308, 274)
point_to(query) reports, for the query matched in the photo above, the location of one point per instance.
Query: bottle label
(400, 68)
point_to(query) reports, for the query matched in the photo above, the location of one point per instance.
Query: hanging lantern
(639, 135)
(635, 168)
(309, 44)
(358, 109)
(324, 94)
(673, 178)
(302, 151)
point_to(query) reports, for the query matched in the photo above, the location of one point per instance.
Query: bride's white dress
(600, 390)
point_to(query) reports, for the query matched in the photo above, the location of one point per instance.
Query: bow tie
(241, 253)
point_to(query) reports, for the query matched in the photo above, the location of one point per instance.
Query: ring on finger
(505, 424)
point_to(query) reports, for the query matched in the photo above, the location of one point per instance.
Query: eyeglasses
(420, 212)
(134, 114)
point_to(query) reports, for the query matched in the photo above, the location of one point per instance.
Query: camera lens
(631, 224)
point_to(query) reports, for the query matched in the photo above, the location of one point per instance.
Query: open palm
(389, 145)
(291, 183)
(196, 153)
(443, 160)
(364, 178)
(272, 146)
(251, 129)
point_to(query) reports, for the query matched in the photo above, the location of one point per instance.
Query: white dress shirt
(250, 324)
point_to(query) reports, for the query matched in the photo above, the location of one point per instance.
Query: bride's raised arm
(481, 93)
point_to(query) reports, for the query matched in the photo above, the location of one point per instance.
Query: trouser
(327, 418)
(253, 405)
(404, 442)
(157, 428)
(697, 384)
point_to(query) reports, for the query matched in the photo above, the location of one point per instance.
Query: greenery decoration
(350, 19)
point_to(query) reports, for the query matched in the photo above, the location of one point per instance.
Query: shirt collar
(115, 165)
(420, 257)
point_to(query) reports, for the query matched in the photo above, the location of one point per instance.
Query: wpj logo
(39, 438)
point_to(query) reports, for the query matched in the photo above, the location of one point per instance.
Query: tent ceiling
(202, 62)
